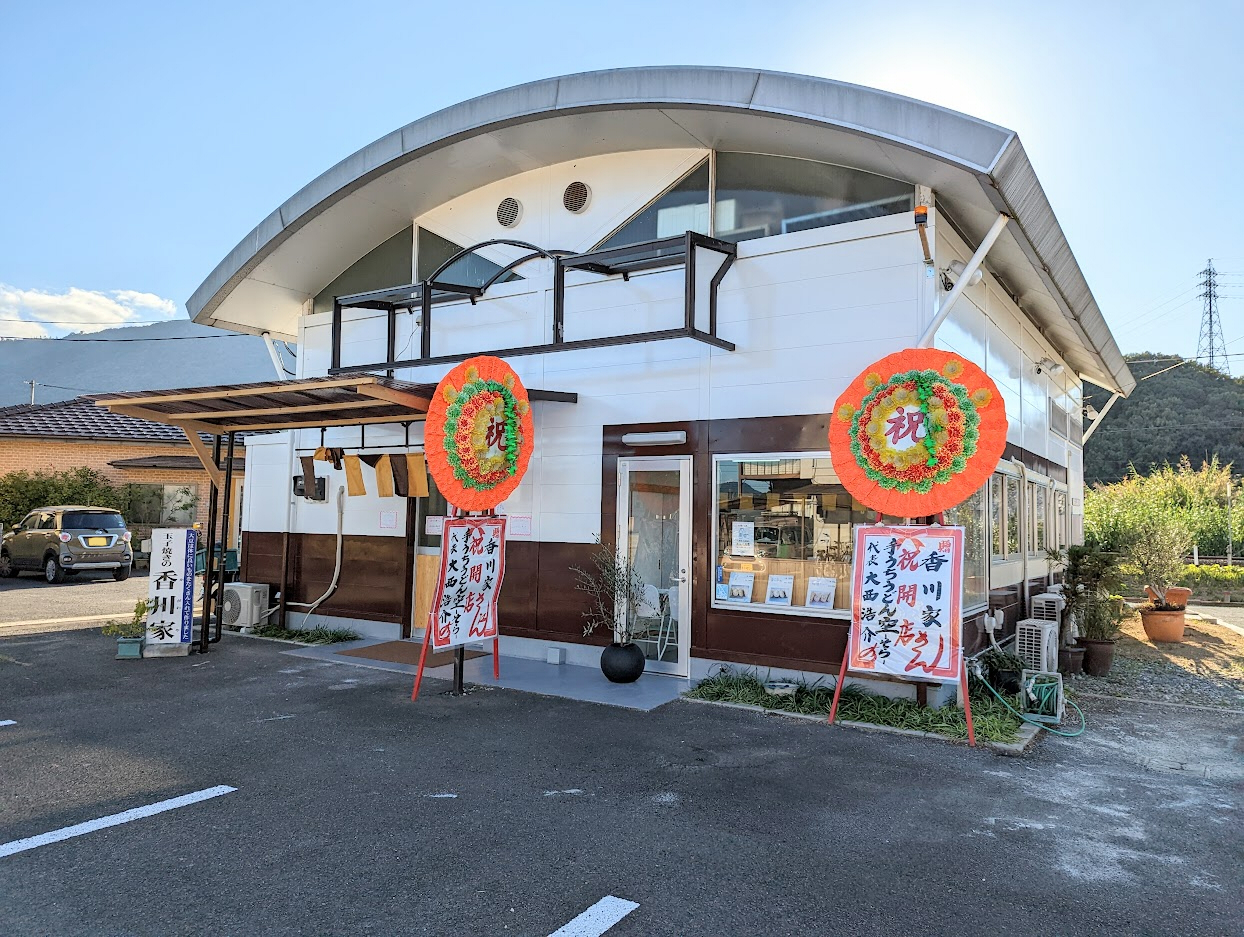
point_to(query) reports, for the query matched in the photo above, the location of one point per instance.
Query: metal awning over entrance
(310, 403)
(355, 400)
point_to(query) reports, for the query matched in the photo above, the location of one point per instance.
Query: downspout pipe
(926, 340)
(1101, 415)
(1024, 518)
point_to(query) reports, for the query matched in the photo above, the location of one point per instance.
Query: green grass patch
(309, 635)
(992, 721)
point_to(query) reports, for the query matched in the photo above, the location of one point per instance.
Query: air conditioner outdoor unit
(1048, 606)
(1036, 644)
(244, 604)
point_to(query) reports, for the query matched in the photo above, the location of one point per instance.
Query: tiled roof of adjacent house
(81, 419)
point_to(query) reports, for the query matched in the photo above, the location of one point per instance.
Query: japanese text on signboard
(170, 589)
(905, 614)
(472, 565)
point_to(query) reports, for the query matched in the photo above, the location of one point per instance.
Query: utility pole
(32, 390)
(1211, 348)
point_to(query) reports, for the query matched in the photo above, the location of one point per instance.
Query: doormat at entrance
(407, 652)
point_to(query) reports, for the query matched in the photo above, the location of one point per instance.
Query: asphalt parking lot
(27, 598)
(354, 811)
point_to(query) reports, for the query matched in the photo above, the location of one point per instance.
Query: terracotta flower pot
(1178, 595)
(1166, 627)
(1098, 657)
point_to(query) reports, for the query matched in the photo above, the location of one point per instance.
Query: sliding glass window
(760, 196)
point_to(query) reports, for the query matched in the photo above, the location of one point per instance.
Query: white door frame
(682, 465)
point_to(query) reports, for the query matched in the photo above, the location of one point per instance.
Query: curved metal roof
(697, 106)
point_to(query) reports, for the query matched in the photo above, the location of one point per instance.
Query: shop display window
(785, 531)
(784, 535)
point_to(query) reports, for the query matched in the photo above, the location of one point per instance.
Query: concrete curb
(260, 637)
(1028, 733)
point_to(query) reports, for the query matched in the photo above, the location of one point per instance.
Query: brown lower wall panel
(373, 581)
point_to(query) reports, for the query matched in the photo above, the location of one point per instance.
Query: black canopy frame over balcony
(679, 250)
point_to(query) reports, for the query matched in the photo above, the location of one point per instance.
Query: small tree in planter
(1157, 551)
(129, 634)
(615, 590)
(1099, 629)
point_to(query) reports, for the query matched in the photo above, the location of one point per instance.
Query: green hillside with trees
(1188, 411)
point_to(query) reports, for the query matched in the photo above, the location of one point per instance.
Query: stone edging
(1028, 732)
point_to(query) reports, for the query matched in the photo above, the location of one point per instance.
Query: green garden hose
(1045, 698)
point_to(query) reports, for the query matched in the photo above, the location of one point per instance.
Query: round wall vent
(509, 211)
(576, 197)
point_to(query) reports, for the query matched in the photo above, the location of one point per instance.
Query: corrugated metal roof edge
(1012, 184)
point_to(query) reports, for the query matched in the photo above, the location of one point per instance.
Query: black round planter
(622, 663)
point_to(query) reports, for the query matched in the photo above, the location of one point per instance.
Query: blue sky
(144, 140)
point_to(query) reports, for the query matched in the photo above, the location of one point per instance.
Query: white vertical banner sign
(472, 565)
(170, 592)
(905, 615)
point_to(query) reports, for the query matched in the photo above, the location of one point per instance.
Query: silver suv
(61, 541)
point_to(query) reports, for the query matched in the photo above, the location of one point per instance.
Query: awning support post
(1100, 416)
(224, 534)
(209, 552)
(926, 340)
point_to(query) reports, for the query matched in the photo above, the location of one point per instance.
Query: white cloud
(39, 313)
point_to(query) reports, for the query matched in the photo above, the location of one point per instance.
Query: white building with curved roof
(691, 264)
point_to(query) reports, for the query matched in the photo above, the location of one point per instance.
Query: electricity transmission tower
(1211, 348)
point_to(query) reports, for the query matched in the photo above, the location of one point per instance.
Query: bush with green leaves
(1197, 498)
(1099, 619)
(133, 627)
(1214, 583)
(23, 491)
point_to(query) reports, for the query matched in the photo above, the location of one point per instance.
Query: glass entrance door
(654, 530)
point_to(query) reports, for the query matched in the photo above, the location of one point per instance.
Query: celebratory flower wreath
(917, 432)
(479, 436)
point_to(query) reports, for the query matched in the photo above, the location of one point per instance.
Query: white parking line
(58, 621)
(116, 819)
(597, 919)
(8, 722)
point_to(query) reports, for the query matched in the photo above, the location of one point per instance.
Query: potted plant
(615, 592)
(1099, 629)
(1157, 551)
(1002, 669)
(129, 633)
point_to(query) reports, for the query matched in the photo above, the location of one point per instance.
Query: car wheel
(53, 572)
(7, 569)
(121, 573)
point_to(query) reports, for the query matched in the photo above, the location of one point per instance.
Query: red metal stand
(842, 675)
(967, 702)
(423, 656)
(496, 658)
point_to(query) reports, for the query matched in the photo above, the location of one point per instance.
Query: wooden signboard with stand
(906, 620)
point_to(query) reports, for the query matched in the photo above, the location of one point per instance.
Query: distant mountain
(127, 359)
(1189, 410)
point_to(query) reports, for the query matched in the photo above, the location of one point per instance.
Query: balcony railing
(619, 261)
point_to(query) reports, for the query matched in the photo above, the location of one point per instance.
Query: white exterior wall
(989, 329)
(807, 310)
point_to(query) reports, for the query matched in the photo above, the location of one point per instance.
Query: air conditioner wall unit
(1036, 644)
(244, 604)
